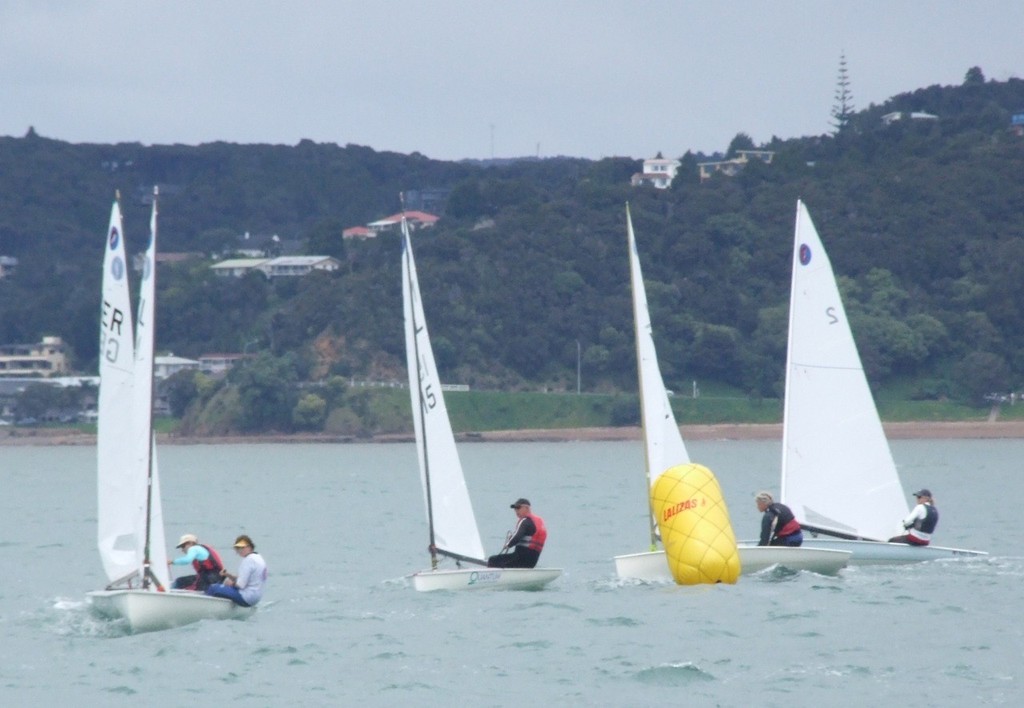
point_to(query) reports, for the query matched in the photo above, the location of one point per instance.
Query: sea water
(341, 525)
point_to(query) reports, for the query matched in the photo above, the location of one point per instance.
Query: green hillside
(527, 266)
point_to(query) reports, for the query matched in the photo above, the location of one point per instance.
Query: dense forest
(527, 266)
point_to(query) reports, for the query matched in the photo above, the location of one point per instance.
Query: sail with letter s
(838, 473)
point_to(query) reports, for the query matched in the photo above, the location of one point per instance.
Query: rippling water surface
(341, 525)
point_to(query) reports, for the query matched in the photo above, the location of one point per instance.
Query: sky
(455, 79)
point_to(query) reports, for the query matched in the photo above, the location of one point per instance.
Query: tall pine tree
(842, 110)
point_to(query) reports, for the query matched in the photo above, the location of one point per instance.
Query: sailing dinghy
(130, 526)
(664, 448)
(450, 518)
(838, 473)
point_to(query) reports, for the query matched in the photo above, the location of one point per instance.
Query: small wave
(68, 617)
(682, 674)
(555, 605)
(390, 655)
(615, 622)
(776, 574)
(535, 644)
(396, 583)
(617, 583)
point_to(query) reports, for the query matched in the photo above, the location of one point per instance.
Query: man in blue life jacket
(526, 540)
(921, 522)
(778, 525)
(204, 560)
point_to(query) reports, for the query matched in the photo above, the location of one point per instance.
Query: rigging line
(151, 336)
(460, 557)
(828, 368)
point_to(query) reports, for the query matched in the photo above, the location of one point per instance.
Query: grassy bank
(492, 410)
(386, 410)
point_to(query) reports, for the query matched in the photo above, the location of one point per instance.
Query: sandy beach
(724, 431)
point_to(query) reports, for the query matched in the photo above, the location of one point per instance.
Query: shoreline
(971, 430)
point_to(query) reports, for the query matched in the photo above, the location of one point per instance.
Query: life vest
(923, 528)
(788, 529)
(212, 563)
(786, 523)
(540, 535)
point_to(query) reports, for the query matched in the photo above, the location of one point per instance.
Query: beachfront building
(44, 359)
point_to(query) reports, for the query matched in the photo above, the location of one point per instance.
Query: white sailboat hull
(653, 567)
(877, 552)
(484, 579)
(149, 611)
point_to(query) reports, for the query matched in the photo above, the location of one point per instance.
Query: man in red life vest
(526, 540)
(204, 560)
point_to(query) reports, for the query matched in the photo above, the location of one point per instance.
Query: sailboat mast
(150, 332)
(421, 408)
(634, 273)
(786, 395)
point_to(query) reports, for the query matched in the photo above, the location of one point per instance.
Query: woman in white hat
(204, 560)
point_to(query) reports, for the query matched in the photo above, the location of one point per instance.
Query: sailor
(921, 522)
(246, 588)
(526, 540)
(204, 559)
(778, 525)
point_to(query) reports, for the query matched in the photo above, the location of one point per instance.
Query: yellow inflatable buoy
(700, 545)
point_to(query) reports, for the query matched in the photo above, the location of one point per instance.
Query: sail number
(427, 397)
(830, 312)
(110, 335)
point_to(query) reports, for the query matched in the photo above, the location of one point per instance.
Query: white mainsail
(838, 474)
(121, 494)
(143, 436)
(448, 507)
(663, 443)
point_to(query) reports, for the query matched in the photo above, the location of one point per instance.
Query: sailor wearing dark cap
(921, 522)
(526, 540)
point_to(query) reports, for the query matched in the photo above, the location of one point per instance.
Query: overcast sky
(454, 79)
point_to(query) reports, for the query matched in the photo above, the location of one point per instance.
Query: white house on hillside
(164, 366)
(658, 171)
(236, 267)
(416, 219)
(731, 168)
(284, 266)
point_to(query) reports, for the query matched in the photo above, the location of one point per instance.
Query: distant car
(26, 421)
(4, 422)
